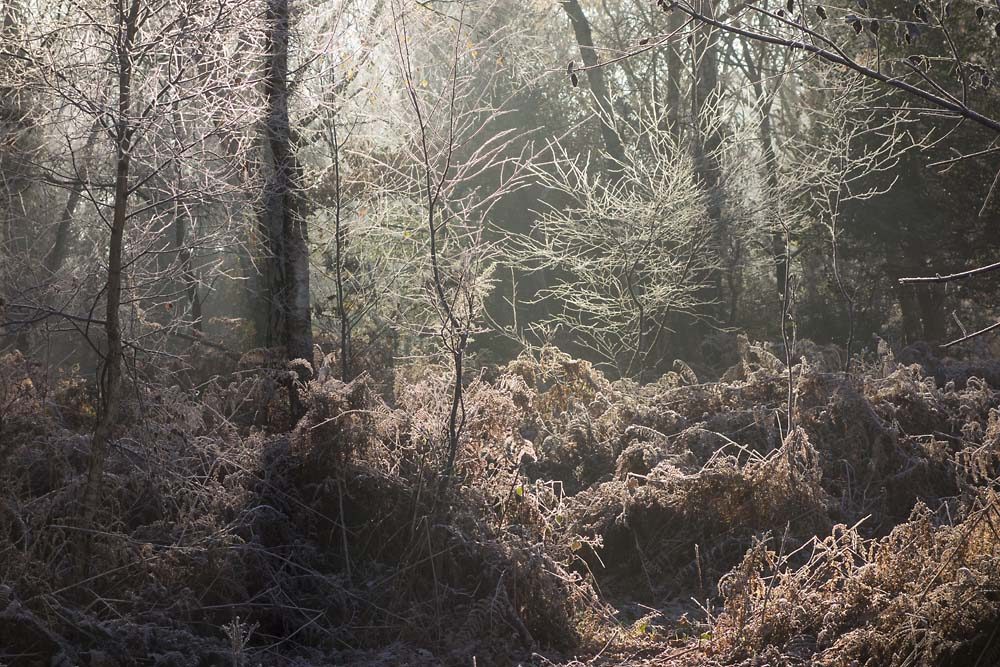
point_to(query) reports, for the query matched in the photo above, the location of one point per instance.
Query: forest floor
(588, 522)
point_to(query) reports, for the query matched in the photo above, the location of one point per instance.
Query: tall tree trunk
(282, 197)
(110, 371)
(599, 87)
(705, 94)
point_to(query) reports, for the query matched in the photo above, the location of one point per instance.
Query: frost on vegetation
(682, 520)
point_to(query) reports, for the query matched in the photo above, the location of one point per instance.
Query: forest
(473, 333)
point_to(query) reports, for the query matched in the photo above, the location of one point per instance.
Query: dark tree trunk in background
(184, 220)
(615, 151)
(912, 331)
(282, 221)
(705, 64)
(60, 245)
(930, 300)
(339, 258)
(189, 277)
(598, 86)
(270, 279)
(707, 141)
(675, 68)
(921, 307)
(777, 240)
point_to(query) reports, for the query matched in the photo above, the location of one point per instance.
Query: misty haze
(474, 333)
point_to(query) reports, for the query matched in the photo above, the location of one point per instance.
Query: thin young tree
(135, 73)
(630, 261)
(451, 147)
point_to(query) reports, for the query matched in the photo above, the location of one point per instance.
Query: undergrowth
(589, 522)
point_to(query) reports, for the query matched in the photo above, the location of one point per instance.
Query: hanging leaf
(820, 12)
(790, 5)
(985, 80)
(874, 26)
(856, 24)
(863, 4)
(569, 68)
(573, 79)
(996, 28)
(644, 41)
(781, 13)
(980, 13)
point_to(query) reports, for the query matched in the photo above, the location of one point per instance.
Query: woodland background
(479, 332)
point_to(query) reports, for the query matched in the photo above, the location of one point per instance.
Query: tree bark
(282, 200)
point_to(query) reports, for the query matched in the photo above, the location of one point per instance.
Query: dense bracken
(589, 521)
